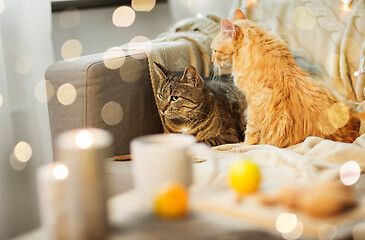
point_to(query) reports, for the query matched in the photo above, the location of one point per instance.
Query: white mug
(162, 158)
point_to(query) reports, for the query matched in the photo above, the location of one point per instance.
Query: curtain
(25, 142)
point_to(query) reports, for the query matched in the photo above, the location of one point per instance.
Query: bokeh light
(123, 16)
(112, 113)
(326, 232)
(16, 164)
(286, 222)
(66, 94)
(139, 42)
(23, 151)
(332, 65)
(358, 233)
(350, 173)
(304, 18)
(69, 18)
(84, 139)
(2, 6)
(139, 39)
(43, 91)
(338, 115)
(143, 5)
(114, 58)
(1, 100)
(23, 64)
(71, 49)
(199, 15)
(60, 171)
(131, 71)
(295, 233)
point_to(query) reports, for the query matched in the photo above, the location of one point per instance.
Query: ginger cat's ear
(191, 75)
(238, 14)
(228, 28)
(163, 70)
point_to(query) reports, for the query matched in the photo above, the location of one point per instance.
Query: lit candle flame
(84, 139)
(60, 172)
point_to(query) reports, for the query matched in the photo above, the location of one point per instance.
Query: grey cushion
(96, 86)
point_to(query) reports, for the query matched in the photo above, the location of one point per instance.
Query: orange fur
(284, 104)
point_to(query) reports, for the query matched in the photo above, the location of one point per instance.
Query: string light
(346, 4)
(361, 71)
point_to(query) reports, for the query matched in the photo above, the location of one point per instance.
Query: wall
(96, 31)
(189, 8)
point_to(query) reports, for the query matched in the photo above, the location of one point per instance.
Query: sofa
(325, 37)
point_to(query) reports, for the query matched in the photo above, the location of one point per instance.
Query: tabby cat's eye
(159, 96)
(174, 98)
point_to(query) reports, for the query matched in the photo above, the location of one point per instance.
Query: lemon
(171, 200)
(244, 176)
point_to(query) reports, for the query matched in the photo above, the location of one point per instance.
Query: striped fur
(212, 111)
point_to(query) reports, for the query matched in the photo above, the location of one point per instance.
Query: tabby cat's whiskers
(196, 110)
(215, 72)
(186, 118)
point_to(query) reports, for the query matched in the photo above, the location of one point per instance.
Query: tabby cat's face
(180, 94)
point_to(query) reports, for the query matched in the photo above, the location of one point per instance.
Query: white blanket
(313, 160)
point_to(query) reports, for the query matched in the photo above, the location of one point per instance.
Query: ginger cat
(284, 104)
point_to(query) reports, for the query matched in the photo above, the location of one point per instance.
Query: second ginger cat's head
(224, 43)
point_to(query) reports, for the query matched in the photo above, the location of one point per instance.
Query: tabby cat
(284, 105)
(212, 111)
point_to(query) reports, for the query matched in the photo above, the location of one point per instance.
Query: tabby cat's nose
(163, 108)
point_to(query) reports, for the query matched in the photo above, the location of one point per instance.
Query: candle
(52, 192)
(84, 151)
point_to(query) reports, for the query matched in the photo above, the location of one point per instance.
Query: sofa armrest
(120, 100)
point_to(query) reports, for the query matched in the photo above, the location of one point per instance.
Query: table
(128, 222)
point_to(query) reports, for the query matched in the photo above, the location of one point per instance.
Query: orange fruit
(171, 200)
(244, 176)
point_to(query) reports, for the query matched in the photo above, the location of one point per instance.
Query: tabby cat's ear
(191, 75)
(228, 28)
(238, 14)
(162, 69)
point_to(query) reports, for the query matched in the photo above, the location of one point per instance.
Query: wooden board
(250, 210)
